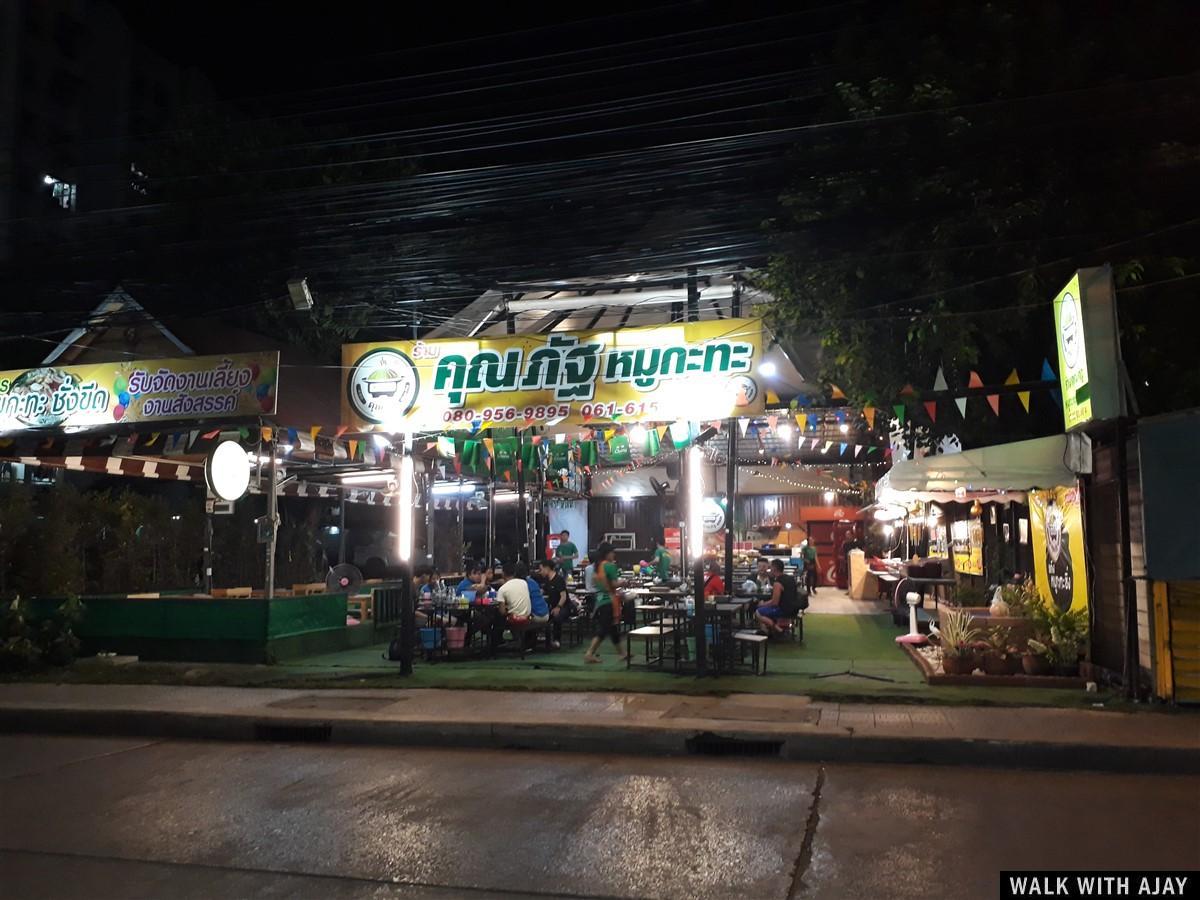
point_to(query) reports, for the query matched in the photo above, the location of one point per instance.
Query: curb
(641, 740)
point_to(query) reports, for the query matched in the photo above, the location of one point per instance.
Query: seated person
(422, 588)
(714, 584)
(513, 596)
(785, 601)
(554, 587)
(539, 608)
(473, 585)
(763, 575)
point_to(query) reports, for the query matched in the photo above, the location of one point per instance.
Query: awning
(1022, 466)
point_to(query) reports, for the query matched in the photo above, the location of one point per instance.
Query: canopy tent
(1022, 466)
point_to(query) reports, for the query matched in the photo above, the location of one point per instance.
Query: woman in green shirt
(608, 604)
(662, 560)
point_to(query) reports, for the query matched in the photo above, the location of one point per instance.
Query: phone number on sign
(508, 413)
(612, 410)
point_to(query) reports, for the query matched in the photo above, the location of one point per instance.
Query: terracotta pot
(995, 663)
(963, 664)
(1033, 664)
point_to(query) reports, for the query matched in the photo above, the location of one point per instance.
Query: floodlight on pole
(404, 511)
(695, 514)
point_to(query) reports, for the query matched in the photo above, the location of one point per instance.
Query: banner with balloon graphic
(154, 390)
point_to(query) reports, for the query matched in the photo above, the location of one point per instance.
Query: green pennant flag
(652, 446)
(506, 453)
(899, 410)
(472, 455)
(618, 449)
(559, 454)
(681, 434)
(589, 453)
(529, 456)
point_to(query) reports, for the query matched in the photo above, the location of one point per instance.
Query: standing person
(784, 603)
(607, 615)
(554, 586)
(567, 553)
(662, 560)
(808, 553)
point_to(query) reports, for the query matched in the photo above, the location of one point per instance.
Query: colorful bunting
(939, 380)
(341, 429)
(900, 412)
(1023, 396)
(314, 431)
(209, 435)
(353, 447)
(842, 451)
(931, 410)
(836, 392)
(869, 415)
(772, 422)
(814, 421)
(1048, 375)
(618, 449)
(908, 391)
(857, 450)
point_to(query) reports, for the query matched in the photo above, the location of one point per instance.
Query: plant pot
(995, 663)
(1033, 664)
(962, 664)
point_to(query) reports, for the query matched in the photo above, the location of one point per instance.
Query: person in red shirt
(714, 584)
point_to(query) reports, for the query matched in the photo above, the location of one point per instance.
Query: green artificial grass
(837, 650)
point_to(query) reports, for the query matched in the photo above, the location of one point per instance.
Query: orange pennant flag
(314, 431)
(836, 392)
(353, 448)
(869, 415)
(267, 433)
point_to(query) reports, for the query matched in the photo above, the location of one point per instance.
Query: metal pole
(731, 462)
(430, 519)
(491, 521)
(697, 572)
(208, 552)
(522, 513)
(342, 528)
(408, 620)
(272, 516)
(462, 527)
(1128, 590)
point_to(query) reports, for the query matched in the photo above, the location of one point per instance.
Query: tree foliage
(968, 169)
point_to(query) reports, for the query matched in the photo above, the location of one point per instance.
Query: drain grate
(711, 745)
(293, 734)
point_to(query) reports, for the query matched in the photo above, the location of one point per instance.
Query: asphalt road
(97, 818)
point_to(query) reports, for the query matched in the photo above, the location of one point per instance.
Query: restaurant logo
(743, 390)
(1069, 328)
(383, 386)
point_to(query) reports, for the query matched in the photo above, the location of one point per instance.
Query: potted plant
(956, 634)
(996, 657)
(1036, 660)
(1063, 635)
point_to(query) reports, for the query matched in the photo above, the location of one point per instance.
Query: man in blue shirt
(472, 584)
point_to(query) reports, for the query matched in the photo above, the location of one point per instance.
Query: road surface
(97, 818)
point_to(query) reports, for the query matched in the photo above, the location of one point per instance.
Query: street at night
(210, 819)
(660, 449)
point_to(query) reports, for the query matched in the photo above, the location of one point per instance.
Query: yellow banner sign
(1058, 554)
(694, 371)
(966, 542)
(146, 390)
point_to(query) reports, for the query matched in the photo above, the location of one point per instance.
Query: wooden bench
(361, 604)
(648, 633)
(307, 590)
(755, 642)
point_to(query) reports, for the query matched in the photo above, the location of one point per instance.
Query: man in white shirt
(514, 594)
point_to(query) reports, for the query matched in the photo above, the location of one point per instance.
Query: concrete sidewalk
(789, 727)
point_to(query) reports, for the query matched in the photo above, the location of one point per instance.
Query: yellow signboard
(966, 541)
(146, 390)
(1058, 554)
(694, 371)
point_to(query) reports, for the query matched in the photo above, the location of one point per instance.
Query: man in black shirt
(554, 587)
(785, 603)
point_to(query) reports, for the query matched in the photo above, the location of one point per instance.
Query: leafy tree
(965, 171)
